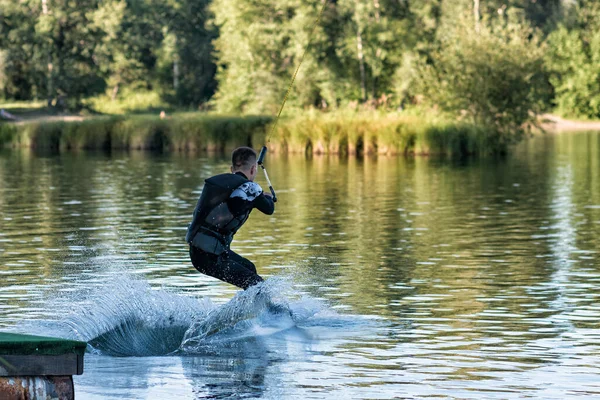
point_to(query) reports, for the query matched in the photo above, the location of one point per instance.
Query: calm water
(408, 278)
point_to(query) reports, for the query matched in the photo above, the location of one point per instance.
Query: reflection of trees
(415, 238)
(29, 225)
(343, 215)
(478, 255)
(575, 227)
(378, 190)
(375, 230)
(497, 243)
(33, 224)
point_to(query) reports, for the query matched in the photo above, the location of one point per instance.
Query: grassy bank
(376, 133)
(335, 133)
(191, 132)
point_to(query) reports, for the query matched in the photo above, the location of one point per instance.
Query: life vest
(214, 224)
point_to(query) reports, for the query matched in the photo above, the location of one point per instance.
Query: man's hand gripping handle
(261, 158)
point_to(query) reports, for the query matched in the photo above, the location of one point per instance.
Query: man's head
(243, 159)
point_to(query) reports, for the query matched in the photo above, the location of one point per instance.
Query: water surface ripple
(410, 278)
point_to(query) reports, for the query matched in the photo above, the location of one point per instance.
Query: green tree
(574, 61)
(68, 40)
(379, 30)
(59, 49)
(537, 14)
(22, 61)
(186, 66)
(48, 48)
(494, 77)
(120, 50)
(253, 52)
(354, 53)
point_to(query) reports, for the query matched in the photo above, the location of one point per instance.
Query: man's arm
(250, 195)
(264, 203)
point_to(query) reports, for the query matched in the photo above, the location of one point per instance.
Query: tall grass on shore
(346, 134)
(182, 132)
(391, 134)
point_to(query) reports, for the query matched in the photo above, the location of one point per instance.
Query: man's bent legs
(228, 267)
(242, 267)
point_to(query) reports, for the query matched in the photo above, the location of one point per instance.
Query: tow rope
(263, 151)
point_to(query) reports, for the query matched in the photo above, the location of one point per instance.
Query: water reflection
(485, 272)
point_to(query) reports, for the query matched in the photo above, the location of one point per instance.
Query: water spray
(261, 158)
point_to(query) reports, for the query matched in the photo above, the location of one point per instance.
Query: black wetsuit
(223, 207)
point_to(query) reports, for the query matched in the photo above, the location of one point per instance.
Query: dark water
(409, 278)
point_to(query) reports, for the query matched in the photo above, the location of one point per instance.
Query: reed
(343, 133)
(391, 134)
(181, 132)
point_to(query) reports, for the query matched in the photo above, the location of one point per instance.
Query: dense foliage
(64, 51)
(491, 77)
(574, 61)
(479, 59)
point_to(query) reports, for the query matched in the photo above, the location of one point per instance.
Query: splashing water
(128, 318)
(241, 315)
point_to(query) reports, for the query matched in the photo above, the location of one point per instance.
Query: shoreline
(338, 133)
(554, 123)
(549, 122)
(331, 133)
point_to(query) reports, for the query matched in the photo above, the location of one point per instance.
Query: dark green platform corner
(40, 355)
(14, 343)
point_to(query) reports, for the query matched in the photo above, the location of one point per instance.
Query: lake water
(407, 278)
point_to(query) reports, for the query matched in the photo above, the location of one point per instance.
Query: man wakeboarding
(224, 206)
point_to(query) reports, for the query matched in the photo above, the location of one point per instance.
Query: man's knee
(230, 267)
(242, 272)
(250, 265)
(233, 256)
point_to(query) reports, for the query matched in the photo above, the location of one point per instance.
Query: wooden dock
(37, 367)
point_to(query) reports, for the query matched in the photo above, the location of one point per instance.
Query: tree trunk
(49, 66)
(477, 15)
(378, 51)
(375, 81)
(115, 92)
(49, 82)
(361, 62)
(175, 73)
(377, 13)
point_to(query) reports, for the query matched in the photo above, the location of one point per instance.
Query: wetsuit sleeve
(264, 204)
(250, 195)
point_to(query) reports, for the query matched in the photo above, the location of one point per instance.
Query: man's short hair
(243, 158)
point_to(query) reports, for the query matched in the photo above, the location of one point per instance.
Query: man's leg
(228, 267)
(241, 260)
(206, 263)
(243, 271)
(231, 268)
(249, 265)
